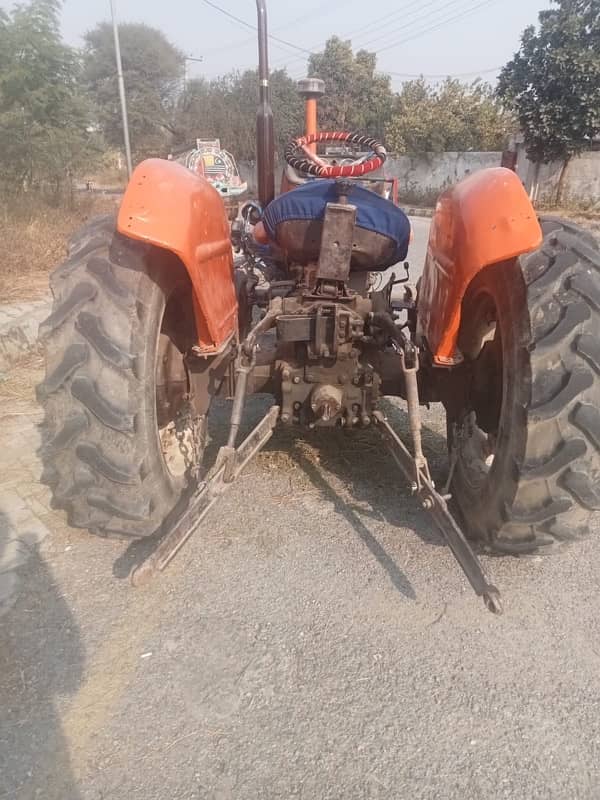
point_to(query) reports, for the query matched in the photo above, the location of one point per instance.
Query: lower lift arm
(418, 477)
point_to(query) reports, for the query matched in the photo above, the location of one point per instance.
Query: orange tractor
(153, 319)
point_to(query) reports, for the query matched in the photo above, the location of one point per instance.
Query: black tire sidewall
(102, 452)
(159, 282)
(484, 508)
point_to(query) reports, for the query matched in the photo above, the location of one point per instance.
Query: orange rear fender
(485, 219)
(172, 208)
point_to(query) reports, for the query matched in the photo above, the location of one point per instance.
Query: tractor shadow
(356, 474)
(353, 514)
(355, 471)
(42, 660)
(352, 470)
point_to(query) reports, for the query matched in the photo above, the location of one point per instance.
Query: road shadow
(359, 459)
(361, 462)
(351, 514)
(373, 486)
(41, 659)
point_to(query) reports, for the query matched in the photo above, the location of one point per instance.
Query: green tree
(153, 74)
(452, 116)
(44, 119)
(226, 108)
(357, 97)
(553, 82)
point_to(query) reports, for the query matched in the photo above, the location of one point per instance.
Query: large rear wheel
(525, 435)
(122, 442)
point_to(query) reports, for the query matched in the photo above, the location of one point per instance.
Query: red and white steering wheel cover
(305, 165)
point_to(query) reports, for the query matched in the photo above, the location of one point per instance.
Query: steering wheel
(311, 164)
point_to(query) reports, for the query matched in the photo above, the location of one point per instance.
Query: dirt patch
(35, 240)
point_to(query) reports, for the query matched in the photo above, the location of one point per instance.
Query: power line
(371, 27)
(253, 27)
(252, 39)
(375, 25)
(437, 24)
(440, 74)
(444, 74)
(414, 18)
(430, 29)
(432, 13)
(465, 13)
(310, 11)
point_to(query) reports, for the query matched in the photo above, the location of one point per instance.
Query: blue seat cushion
(373, 212)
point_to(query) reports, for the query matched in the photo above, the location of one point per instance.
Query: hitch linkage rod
(230, 460)
(436, 505)
(227, 469)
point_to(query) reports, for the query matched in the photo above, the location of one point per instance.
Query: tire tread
(97, 436)
(548, 498)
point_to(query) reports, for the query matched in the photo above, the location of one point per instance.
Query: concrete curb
(19, 326)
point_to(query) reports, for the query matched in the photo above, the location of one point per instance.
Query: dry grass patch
(588, 220)
(17, 385)
(35, 240)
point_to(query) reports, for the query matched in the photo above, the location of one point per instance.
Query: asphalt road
(315, 640)
(418, 247)
(417, 250)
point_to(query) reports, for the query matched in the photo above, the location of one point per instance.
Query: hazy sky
(481, 40)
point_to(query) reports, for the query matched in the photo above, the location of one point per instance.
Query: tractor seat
(294, 221)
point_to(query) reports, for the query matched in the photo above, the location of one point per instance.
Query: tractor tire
(115, 301)
(526, 442)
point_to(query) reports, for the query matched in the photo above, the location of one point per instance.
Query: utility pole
(121, 90)
(185, 69)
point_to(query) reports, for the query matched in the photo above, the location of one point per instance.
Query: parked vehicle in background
(208, 159)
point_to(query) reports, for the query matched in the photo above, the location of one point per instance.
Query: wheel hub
(176, 426)
(478, 430)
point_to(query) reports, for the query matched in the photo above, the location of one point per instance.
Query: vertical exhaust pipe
(311, 89)
(265, 140)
